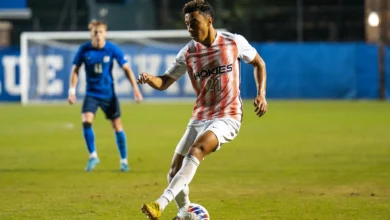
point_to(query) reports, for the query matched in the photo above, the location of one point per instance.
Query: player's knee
(198, 147)
(87, 124)
(117, 128)
(198, 150)
(117, 125)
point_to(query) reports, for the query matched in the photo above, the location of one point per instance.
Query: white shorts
(226, 129)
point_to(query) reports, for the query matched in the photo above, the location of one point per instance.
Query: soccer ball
(194, 212)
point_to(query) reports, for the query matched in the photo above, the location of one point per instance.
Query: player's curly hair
(96, 23)
(199, 5)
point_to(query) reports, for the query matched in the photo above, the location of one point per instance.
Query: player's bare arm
(260, 102)
(130, 75)
(74, 77)
(157, 82)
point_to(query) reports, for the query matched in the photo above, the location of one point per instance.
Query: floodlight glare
(373, 19)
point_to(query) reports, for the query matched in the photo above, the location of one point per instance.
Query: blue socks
(89, 137)
(121, 144)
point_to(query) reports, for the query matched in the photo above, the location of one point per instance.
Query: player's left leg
(111, 108)
(216, 133)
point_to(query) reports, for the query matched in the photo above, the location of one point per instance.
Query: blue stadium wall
(295, 71)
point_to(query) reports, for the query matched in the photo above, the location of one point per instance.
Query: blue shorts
(110, 106)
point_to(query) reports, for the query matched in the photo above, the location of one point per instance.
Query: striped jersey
(215, 74)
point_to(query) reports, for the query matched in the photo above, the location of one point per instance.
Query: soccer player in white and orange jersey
(212, 61)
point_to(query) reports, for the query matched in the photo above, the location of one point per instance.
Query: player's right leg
(90, 105)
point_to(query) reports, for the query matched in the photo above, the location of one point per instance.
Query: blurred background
(332, 49)
(258, 20)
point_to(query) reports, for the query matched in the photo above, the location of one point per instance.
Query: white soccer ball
(188, 216)
(194, 212)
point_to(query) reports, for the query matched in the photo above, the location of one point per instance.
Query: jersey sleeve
(245, 51)
(119, 56)
(78, 58)
(179, 66)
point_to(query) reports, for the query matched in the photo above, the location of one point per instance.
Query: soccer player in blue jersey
(98, 56)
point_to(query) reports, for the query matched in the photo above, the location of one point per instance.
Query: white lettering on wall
(10, 63)
(49, 76)
(48, 66)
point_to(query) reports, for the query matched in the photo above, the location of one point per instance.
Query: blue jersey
(98, 67)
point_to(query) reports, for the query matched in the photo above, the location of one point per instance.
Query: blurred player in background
(98, 56)
(212, 60)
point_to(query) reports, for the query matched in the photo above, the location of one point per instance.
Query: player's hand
(260, 105)
(138, 96)
(144, 78)
(72, 99)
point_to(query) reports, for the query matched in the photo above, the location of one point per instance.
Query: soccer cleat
(124, 167)
(92, 162)
(151, 210)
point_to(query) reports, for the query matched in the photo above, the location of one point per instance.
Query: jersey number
(98, 68)
(214, 84)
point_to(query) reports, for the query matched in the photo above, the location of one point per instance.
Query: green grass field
(302, 160)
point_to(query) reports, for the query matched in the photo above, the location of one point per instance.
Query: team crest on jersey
(106, 59)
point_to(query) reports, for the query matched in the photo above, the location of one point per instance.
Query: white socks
(123, 161)
(182, 199)
(93, 155)
(180, 181)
